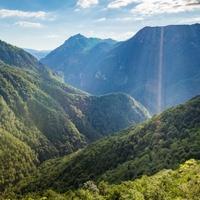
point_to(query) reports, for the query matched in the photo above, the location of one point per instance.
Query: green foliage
(107, 116)
(45, 117)
(165, 141)
(180, 184)
(16, 160)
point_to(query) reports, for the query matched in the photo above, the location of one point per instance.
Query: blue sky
(45, 24)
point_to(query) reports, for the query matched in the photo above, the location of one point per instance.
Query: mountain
(159, 66)
(43, 118)
(12, 55)
(75, 58)
(39, 54)
(182, 183)
(162, 142)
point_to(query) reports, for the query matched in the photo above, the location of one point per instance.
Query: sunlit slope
(182, 183)
(62, 113)
(165, 141)
(17, 159)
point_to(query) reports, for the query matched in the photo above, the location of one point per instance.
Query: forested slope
(43, 118)
(180, 184)
(162, 142)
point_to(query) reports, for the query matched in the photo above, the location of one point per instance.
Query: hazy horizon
(62, 42)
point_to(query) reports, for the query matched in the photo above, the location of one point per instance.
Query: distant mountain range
(39, 54)
(77, 58)
(159, 66)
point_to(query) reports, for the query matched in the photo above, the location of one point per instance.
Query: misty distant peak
(77, 36)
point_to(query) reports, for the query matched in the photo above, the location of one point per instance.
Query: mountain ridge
(132, 67)
(77, 53)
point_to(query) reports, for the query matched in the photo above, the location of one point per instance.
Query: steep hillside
(165, 141)
(76, 58)
(17, 159)
(18, 57)
(42, 118)
(159, 67)
(182, 183)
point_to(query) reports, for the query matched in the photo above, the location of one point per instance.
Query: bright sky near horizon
(45, 24)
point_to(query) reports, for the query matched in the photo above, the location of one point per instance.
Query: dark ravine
(133, 66)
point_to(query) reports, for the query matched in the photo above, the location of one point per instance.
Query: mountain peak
(77, 37)
(80, 42)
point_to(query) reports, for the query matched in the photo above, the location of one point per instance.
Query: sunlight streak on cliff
(160, 71)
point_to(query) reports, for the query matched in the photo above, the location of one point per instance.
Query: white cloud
(101, 19)
(190, 20)
(26, 24)
(53, 36)
(125, 36)
(4, 13)
(128, 19)
(87, 3)
(153, 7)
(117, 36)
(121, 3)
(121, 36)
(124, 19)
